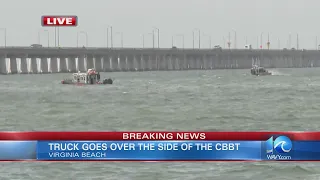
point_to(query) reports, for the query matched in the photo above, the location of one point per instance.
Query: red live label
(59, 20)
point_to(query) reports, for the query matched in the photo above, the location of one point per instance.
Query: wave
(277, 73)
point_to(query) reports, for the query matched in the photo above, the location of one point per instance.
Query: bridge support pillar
(130, 64)
(181, 62)
(210, 61)
(198, 62)
(106, 64)
(204, 62)
(23, 65)
(72, 64)
(192, 63)
(54, 65)
(136, 63)
(122, 63)
(215, 61)
(13, 65)
(151, 63)
(162, 63)
(44, 65)
(142, 63)
(185, 62)
(89, 63)
(127, 63)
(168, 62)
(33, 65)
(176, 63)
(158, 61)
(145, 63)
(98, 63)
(114, 63)
(63, 65)
(3, 64)
(80, 64)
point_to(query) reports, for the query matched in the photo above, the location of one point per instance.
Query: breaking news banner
(160, 146)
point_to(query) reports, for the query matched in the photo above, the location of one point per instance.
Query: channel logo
(276, 148)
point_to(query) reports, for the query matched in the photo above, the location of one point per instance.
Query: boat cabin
(261, 69)
(86, 78)
(80, 77)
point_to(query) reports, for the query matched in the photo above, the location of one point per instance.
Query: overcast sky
(216, 18)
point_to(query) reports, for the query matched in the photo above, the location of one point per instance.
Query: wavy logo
(281, 144)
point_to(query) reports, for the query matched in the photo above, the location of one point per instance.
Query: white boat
(90, 77)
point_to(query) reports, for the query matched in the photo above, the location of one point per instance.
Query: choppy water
(188, 100)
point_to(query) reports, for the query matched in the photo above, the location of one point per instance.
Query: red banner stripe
(217, 136)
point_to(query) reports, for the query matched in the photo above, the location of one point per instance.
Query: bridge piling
(98, 63)
(44, 65)
(3, 64)
(81, 62)
(72, 64)
(23, 65)
(63, 64)
(13, 65)
(54, 64)
(33, 68)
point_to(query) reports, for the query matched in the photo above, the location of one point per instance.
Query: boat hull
(82, 84)
(262, 74)
(104, 82)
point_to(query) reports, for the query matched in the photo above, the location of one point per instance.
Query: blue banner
(149, 150)
(272, 149)
(18, 150)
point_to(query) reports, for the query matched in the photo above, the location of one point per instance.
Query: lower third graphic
(277, 148)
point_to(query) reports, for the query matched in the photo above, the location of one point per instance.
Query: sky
(248, 19)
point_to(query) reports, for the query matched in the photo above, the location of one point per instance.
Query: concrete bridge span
(53, 60)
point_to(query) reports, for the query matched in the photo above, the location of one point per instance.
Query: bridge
(26, 60)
